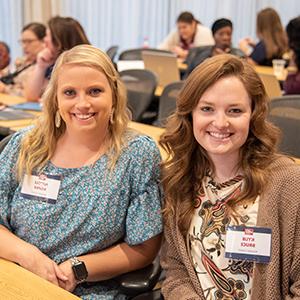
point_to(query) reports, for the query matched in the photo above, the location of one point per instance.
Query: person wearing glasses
(32, 42)
(4, 58)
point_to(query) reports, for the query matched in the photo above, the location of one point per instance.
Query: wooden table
(269, 71)
(5, 126)
(16, 283)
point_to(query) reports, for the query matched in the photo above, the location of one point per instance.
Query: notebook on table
(13, 114)
(164, 65)
(35, 106)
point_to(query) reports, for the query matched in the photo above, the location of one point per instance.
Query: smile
(219, 135)
(84, 116)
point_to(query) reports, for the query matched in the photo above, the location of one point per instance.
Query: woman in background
(225, 183)
(272, 39)
(4, 58)
(32, 41)
(292, 83)
(63, 33)
(189, 33)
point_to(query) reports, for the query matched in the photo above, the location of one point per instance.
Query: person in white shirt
(188, 34)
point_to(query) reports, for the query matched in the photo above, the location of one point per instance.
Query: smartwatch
(79, 269)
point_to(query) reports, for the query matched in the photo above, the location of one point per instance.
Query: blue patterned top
(95, 208)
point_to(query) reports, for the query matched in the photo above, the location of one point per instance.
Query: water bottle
(146, 42)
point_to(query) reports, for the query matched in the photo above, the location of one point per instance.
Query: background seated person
(63, 33)
(292, 83)
(222, 33)
(189, 33)
(104, 207)
(4, 58)
(226, 171)
(32, 41)
(272, 39)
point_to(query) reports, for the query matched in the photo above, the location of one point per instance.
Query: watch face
(80, 271)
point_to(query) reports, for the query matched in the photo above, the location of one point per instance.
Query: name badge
(42, 187)
(248, 243)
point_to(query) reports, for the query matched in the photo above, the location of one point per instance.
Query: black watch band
(79, 269)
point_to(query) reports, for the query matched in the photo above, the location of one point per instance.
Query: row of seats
(141, 86)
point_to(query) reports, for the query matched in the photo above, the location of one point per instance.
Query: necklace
(218, 186)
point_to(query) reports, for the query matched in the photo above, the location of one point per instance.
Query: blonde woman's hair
(39, 144)
(271, 32)
(188, 162)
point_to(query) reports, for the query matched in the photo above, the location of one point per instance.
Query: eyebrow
(205, 102)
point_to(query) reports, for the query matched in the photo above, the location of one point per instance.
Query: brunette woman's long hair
(188, 162)
(271, 32)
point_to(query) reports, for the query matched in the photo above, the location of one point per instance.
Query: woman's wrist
(24, 253)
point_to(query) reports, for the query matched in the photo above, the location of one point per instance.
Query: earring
(111, 117)
(57, 119)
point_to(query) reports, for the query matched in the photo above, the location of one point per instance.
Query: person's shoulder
(284, 168)
(141, 143)
(20, 134)
(203, 28)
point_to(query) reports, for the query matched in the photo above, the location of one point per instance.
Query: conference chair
(141, 85)
(167, 102)
(190, 59)
(4, 142)
(271, 84)
(136, 53)
(284, 112)
(139, 284)
(193, 52)
(112, 51)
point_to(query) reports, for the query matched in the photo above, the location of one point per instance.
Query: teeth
(84, 116)
(219, 135)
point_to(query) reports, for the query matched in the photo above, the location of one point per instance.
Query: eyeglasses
(27, 41)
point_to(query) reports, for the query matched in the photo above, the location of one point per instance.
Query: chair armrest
(139, 281)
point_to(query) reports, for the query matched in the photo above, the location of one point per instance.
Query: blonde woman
(272, 39)
(80, 201)
(232, 202)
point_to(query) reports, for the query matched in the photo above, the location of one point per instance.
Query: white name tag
(43, 187)
(248, 243)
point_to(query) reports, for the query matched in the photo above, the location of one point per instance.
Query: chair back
(141, 85)
(112, 51)
(4, 142)
(284, 112)
(167, 102)
(271, 84)
(193, 52)
(136, 54)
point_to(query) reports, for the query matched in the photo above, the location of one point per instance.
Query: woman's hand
(246, 45)
(2, 87)
(45, 58)
(70, 283)
(38, 263)
(181, 53)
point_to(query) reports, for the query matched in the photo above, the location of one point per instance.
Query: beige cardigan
(278, 209)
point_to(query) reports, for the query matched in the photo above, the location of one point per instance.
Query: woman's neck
(225, 169)
(74, 151)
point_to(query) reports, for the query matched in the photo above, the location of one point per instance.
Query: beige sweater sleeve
(294, 291)
(177, 284)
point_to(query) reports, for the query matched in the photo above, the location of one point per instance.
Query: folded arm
(178, 284)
